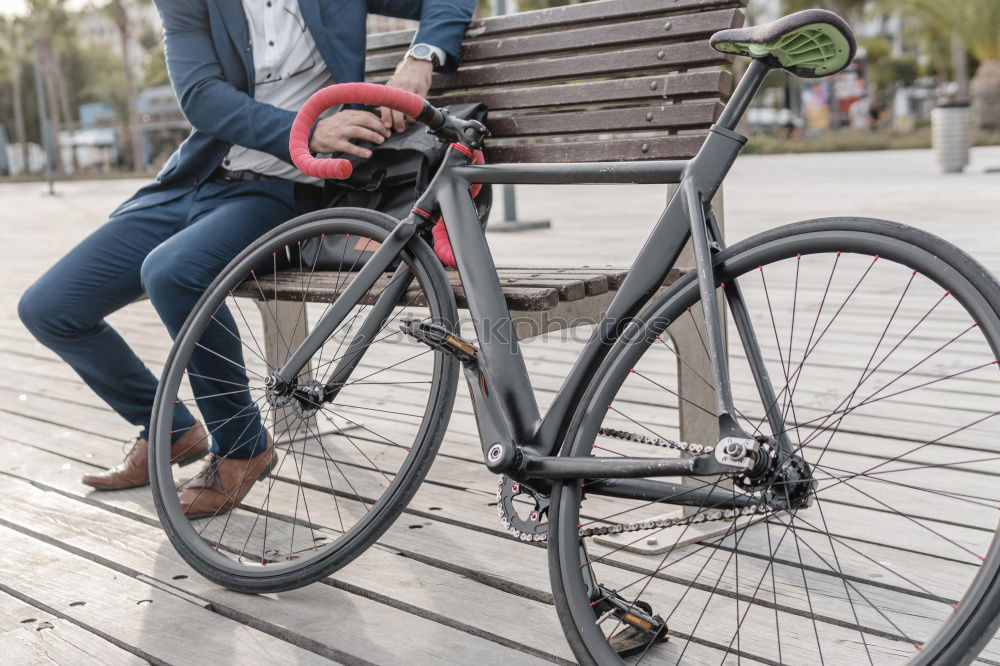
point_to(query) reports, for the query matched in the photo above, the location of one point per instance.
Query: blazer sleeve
(208, 101)
(442, 23)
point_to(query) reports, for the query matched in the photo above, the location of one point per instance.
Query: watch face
(421, 51)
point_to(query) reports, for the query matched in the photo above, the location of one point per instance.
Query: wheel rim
(342, 466)
(878, 635)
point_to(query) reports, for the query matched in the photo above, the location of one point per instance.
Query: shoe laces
(130, 445)
(210, 473)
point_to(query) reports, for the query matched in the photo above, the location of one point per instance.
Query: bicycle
(863, 322)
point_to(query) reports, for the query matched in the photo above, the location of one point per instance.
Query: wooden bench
(606, 80)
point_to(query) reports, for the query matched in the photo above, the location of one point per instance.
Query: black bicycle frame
(517, 440)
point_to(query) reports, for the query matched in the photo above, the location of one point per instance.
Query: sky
(11, 7)
(17, 6)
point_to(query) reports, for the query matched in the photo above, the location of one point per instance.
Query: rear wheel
(348, 463)
(881, 343)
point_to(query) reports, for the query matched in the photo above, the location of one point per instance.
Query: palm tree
(849, 9)
(50, 25)
(12, 53)
(119, 14)
(976, 25)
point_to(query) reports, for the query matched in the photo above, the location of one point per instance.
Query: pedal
(640, 628)
(439, 338)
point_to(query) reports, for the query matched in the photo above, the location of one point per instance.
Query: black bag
(390, 181)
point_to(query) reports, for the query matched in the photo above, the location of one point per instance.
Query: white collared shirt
(287, 70)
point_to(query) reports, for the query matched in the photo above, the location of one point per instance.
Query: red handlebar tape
(342, 93)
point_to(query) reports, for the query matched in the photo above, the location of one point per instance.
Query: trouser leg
(226, 218)
(65, 309)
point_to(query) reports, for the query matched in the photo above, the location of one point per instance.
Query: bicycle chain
(661, 523)
(664, 523)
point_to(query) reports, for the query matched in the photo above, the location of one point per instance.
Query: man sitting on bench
(240, 71)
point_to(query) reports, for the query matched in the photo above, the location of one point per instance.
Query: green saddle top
(810, 43)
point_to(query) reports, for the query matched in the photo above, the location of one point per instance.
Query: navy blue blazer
(210, 62)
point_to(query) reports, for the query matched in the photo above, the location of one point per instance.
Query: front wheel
(881, 343)
(352, 442)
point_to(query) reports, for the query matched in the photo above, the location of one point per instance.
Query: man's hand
(333, 134)
(414, 76)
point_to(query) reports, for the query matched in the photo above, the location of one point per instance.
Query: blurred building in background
(110, 105)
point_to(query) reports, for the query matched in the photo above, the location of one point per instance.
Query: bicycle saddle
(810, 43)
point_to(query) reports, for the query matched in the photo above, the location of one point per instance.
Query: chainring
(522, 511)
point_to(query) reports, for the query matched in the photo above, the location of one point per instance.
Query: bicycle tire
(976, 616)
(244, 575)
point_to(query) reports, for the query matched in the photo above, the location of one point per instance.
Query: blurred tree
(155, 71)
(103, 80)
(51, 28)
(849, 9)
(974, 26)
(118, 10)
(885, 71)
(13, 53)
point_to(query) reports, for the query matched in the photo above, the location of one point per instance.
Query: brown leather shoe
(134, 470)
(224, 482)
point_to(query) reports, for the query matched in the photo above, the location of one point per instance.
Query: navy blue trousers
(171, 252)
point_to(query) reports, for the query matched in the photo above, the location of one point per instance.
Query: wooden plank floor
(90, 577)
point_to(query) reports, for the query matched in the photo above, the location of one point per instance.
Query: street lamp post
(43, 117)
(510, 221)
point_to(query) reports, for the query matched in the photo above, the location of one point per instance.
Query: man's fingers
(352, 117)
(386, 117)
(365, 134)
(398, 121)
(373, 122)
(351, 149)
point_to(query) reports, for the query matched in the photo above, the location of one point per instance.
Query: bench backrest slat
(595, 38)
(673, 88)
(557, 17)
(611, 79)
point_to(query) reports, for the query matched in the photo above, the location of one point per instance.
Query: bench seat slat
(524, 289)
(591, 285)
(613, 274)
(325, 287)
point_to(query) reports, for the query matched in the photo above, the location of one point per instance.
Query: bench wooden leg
(696, 415)
(285, 327)
(694, 380)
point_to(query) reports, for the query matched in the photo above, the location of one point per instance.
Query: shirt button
(226, 162)
(268, 4)
(270, 43)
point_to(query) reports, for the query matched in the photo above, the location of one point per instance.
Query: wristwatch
(431, 54)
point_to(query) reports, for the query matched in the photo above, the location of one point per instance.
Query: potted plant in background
(974, 28)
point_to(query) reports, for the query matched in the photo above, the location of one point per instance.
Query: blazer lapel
(313, 17)
(239, 32)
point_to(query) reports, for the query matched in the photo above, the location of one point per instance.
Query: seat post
(740, 100)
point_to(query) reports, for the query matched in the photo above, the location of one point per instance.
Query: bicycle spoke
(354, 452)
(887, 392)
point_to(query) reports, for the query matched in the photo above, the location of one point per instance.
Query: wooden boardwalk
(90, 578)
